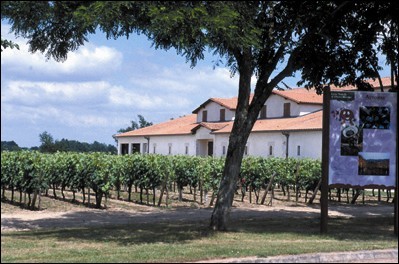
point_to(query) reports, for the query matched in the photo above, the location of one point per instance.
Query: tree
(47, 142)
(9, 146)
(142, 123)
(329, 42)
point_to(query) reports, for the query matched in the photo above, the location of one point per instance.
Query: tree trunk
(161, 195)
(83, 195)
(54, 194)
(88, 196)
(33, 202)
(167, 196)
(180, 189)
(153, 196)
(129, 197)
(12, 194)
(220, 215)
(99, 197)
(315, 192)
(200, 189)
(246, 114)
(268, 188)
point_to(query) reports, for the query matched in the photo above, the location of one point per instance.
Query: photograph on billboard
(362, 149)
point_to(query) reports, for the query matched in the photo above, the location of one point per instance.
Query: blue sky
(101, 87)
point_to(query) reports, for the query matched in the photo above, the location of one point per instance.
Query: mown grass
(193, 241)
(189, 241)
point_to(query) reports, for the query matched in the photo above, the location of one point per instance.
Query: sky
(101, 88)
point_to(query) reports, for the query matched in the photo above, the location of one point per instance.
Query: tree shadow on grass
(182, 225)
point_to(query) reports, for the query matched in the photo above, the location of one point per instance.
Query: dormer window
(204, 116)
(222, 114)
(287, 110)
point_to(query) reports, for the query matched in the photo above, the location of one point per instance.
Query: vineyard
(150, 178)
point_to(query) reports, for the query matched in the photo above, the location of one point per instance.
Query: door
(136, 148)
(210, 148)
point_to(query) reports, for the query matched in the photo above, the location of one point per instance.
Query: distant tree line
(49, 145)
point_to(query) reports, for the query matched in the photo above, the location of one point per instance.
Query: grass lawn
(183, 242)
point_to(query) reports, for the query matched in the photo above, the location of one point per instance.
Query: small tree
(142, 123)
(47, 142)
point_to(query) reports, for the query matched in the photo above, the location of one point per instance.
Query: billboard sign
(362, 138)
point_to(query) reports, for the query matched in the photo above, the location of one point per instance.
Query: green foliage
(142, 123)
(9, 145)
(5, 43)
(32, 171)
(48, 145)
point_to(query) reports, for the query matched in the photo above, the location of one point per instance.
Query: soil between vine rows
(56, 213)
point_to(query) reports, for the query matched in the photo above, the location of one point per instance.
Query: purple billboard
(362, 150)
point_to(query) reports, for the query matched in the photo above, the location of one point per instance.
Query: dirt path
(81, 217)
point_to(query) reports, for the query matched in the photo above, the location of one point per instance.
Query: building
(289, 125)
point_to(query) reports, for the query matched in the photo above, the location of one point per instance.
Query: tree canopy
(134, 125)
(49, 145)
(328, 42)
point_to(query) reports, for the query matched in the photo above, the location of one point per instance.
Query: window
(263, 112)
(298, 150)
(287, 109)
(270, 150)
(186, 149)
(224, 150)
(154, 148)
(222, 114)
(170, 148)
(246, 151)
(204, 116)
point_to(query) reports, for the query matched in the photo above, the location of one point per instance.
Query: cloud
(57, 93)
(120, 96)
(87, 63)
(97, 91)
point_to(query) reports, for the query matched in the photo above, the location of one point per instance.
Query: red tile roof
(301, 96)
(179, 126)
(212, 126)
(312, 121)
(386, 82)
(229, 103)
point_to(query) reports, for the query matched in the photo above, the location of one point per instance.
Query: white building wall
(275, 107)
(306, 109)
(213, 115)
(259, 144)
(176, 143)
(309, 141)
(204, 133)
